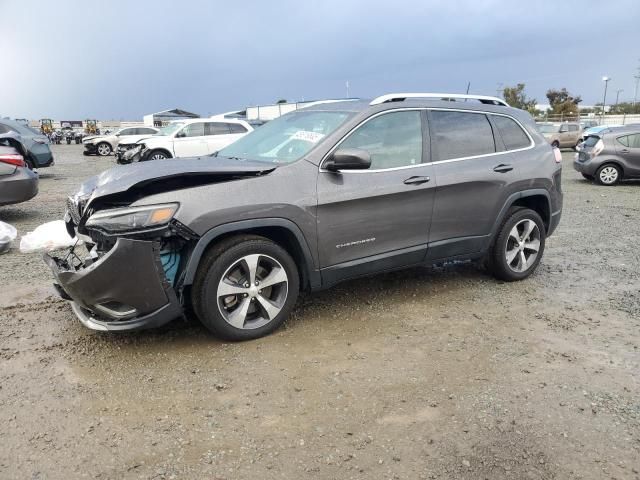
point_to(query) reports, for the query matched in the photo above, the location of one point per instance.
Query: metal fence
(607, 120)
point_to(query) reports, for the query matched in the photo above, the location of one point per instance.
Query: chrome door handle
(416, 180)
(624, 150)
(502, 168)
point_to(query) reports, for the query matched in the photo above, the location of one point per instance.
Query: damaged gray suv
(323, 194)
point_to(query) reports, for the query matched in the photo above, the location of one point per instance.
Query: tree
(625, 108)
(516, 97)
(562, 102)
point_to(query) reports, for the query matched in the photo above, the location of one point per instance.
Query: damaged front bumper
(125, 289)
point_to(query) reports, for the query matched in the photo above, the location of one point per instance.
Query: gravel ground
(421, 374)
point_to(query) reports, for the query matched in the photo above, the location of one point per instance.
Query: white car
(186, 138)
(105, 144)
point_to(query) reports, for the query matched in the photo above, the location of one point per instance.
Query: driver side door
(191, 141)
(379, 218)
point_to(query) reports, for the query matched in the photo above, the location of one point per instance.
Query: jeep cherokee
(323, 194)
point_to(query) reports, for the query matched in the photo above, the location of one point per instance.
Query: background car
(106, 144)
(561, 135)
(610, 156)
(595, 130)
(584, 124)
(18, 183)
(188, 138)
(38, 154)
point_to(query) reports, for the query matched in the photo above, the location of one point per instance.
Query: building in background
(160, 119)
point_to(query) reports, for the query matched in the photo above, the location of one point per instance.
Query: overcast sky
(116, 59)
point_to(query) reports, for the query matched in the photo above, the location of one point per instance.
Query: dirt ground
(421, 374)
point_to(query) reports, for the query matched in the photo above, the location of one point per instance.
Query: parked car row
(106, 144)
(183, 138)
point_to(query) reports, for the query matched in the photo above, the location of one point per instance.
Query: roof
(176, 112)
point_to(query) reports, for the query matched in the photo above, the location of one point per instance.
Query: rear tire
(556, 144)
(245, 288)
(518, 248)
(608, 174)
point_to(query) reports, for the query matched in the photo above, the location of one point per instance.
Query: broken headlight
(129, 219)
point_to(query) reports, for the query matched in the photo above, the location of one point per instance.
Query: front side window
(194, 130)
(393, 139)
(461, 134)
(512, 134)
(573, 128)
(128, 131)
(287, 138)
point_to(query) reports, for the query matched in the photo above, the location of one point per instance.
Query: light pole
(617, 96)
(604, 98)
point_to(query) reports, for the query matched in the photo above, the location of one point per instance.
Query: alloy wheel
(609, 175)
(158, 156)
(523, 245)
(104, 149)
(252, 291)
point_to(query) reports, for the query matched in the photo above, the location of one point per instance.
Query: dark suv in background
(317, 196)
(38, 152)
(611, 155)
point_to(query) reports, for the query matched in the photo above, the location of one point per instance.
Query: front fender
(247, 226)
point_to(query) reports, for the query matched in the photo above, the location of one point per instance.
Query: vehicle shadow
(397, 288)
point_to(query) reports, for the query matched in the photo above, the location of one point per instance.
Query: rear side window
(146, 131)
(217, 128)
(512, 134)
(461, 134)
(631, 141)
(392, 139)
(237, 128)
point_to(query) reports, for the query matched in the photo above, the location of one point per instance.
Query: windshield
(170, 128)
(547, 128)
(287, 138)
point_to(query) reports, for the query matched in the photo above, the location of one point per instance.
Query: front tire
(245, 288)
(588, 177)
(519, 246)
(608, 174)
(103, 149)
(556, 144)
(157, 155)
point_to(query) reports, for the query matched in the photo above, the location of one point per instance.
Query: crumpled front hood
(91, 137)
(125, 177)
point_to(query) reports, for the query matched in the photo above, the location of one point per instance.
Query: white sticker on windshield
(312, 137)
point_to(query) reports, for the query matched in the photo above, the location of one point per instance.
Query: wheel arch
(537, 199)
(160, 149)
(281, 231)
(612, 161)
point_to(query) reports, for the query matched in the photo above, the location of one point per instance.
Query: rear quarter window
(236, 128)
(461, 134)
(512, 134)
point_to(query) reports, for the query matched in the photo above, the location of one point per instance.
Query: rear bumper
(588, 168)
(125, 289)
(19, 187)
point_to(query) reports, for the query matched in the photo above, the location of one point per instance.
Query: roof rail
(399, 97)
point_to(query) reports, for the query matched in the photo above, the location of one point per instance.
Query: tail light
(13, 159)
(557, 155)
(597, 148)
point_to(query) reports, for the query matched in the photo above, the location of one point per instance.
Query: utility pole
(347, 85)
(604, 98)
(500, 89)
(617, 96)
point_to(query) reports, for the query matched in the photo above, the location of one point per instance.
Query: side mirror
(348, 159)
(117, 134)
(564, 129)
(181, 135)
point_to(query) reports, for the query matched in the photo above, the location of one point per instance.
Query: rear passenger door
(628, 147)
(473, 172)
(217, 136)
